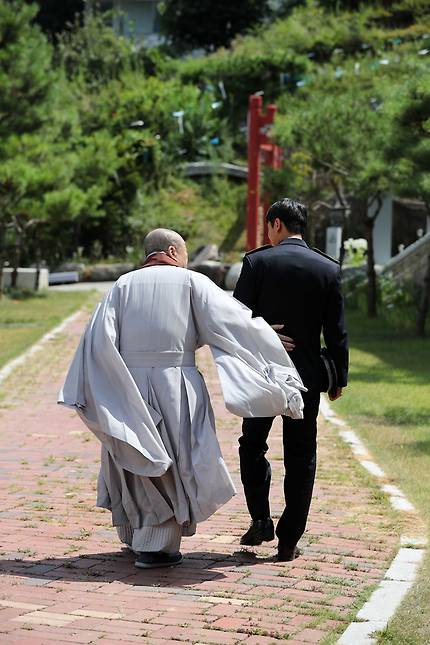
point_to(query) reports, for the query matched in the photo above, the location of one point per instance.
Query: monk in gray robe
(135, 384)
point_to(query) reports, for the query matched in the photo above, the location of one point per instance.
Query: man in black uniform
(297, 290)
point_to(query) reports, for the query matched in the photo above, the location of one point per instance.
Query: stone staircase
(410, 265)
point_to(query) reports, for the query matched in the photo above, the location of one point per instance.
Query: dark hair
(291, 213)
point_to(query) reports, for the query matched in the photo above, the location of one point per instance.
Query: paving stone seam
(400, 576)
(42, 610)
(37, 346)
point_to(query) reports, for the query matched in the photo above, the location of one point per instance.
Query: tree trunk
(14, 276)
(37, 276)
(369, 223)
(16, 259)
(371, 273)
(424, 303)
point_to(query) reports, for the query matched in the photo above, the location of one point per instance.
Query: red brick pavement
(66, 579)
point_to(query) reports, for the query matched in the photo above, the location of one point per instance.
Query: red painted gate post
(272, 159)
(253, 202)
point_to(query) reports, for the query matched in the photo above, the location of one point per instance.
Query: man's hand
(286, 341)
(336, 395)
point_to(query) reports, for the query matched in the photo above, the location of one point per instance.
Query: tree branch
(332, 167)
(339, 193)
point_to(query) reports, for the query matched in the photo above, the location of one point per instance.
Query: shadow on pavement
(197, 567)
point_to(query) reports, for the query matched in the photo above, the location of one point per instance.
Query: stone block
(384, 601)
(373, 468)
(203, 254)
(361, 633)
(63, 277)
(233, 276)
(213, 270)
(106, 272)
(71, 266)
(26, 278)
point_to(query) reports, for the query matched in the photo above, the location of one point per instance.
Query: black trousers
(300, 442)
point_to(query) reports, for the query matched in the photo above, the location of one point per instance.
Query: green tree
(409, 149)
(191, 24)
(341, 127)
(92, 53)
(25, 86)
(409, 144)
(25, 70)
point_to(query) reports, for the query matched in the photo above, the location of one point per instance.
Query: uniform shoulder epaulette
(325, 255)
(260, 248)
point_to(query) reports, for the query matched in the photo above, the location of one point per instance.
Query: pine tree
(409, 149)
(25, 85)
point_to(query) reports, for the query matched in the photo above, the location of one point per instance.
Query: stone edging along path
(399, 578)
(375, 614)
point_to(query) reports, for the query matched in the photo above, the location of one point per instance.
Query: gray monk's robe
(135, 384)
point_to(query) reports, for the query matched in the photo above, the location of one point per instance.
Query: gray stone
(384, 601)
(214, 270)
(405, 571)
(400, 503)
(373, 468)
(410, 555)
(361, 633)
(105, 272)
(63, 277)
(204, 253)
(233, 276)
(26, 278)
(410, 265)
(70, 266)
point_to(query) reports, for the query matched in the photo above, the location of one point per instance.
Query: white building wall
(138, 19)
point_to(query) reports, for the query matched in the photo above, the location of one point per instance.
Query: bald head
(164, 239)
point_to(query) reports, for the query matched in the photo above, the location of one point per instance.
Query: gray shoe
(157, 559)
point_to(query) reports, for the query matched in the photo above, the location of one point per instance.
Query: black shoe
(259, 531)
(155, 559)
(287, 553)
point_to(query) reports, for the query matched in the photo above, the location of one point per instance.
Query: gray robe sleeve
(100, 387)
(257, 376)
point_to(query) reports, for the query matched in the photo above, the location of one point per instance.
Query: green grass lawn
(24, 320)
(388, 404)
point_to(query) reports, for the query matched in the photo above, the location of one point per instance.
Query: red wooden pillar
(253, 201)
(259, 144)
(273, 159)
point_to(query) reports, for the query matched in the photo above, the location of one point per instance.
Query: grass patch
(23, 321)
(388, 403)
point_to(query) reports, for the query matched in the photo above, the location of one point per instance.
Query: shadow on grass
(404, 357)
(422, 447)
(119, 566)
(401, 416)
(410, 375)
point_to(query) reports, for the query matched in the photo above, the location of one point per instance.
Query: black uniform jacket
(298, 287)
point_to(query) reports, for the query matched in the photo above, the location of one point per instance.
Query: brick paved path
(65, 578)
